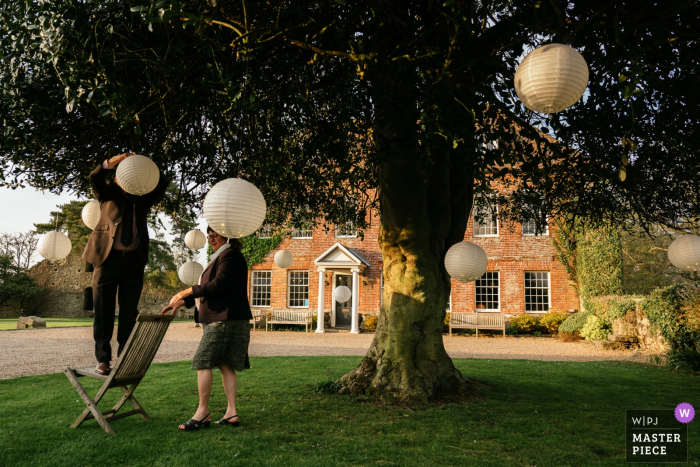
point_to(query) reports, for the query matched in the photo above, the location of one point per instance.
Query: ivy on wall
(254, 248)
(592, 257)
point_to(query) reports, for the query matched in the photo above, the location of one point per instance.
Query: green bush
(511, 331)
(551, 321)
(596, 329)
(574, 323)
(525, 323)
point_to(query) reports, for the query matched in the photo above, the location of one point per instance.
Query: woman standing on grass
(223, 309)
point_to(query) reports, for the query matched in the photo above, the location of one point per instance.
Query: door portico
(341, 261)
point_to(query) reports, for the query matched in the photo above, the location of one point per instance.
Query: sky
(22, 208)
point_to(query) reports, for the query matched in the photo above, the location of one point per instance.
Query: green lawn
(7, 324)
(527, 413)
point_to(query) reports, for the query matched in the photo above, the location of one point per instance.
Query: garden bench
(478, 321)
(257, 316)
(285, 316)
(135, 359)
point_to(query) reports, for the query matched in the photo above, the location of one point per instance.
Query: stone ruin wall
(62, 283)
(636, 324)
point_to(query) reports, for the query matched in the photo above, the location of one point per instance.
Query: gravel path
(41, 351)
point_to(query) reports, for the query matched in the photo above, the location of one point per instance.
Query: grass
(526, 413)
(8, 324)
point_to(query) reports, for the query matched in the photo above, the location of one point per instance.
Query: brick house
(523, 275)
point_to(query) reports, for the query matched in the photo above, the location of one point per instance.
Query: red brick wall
(511, 254)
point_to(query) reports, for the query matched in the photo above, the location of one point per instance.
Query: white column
(354, 329)
(321, 284)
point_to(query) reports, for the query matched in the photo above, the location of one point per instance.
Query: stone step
(621, 338)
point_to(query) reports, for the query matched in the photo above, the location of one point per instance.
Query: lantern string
(240, 137)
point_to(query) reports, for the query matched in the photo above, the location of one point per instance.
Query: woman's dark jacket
(223, 289)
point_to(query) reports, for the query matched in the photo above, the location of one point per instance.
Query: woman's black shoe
(225, 421)
(193, 424)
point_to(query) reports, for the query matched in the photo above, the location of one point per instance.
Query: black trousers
(125, 275)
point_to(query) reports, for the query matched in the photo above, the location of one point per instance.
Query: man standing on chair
(118, 249)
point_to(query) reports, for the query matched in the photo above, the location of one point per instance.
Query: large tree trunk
(425, 196)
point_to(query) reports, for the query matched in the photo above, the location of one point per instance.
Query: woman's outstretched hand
(173, 306)
(181, 295)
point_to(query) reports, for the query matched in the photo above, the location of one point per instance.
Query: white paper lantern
(283, 259)
(234, 208)
(195, 239)
(54, 246)
(684, 253)
(91, 214)
(551, 78)
(137, 175)
(189, 272)
(466, 261)
(342, 294)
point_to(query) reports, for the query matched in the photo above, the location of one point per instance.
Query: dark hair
(234, 242)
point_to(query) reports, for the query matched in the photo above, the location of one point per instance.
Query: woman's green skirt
(223, 343)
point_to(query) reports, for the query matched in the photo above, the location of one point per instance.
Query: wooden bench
(478, 321)
(286, 316)
(257, 316)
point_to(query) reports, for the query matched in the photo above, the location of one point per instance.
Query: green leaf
(621, 78)
(137, 9)
(137, 130)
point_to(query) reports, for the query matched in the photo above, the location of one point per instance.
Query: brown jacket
(223, 290)
(112, 198)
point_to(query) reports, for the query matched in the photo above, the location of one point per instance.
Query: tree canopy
(333, 107)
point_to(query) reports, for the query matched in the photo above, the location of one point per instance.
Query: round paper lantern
(91, 214)
(342, 294)
(551, 78)
(195, 239)
(283, 259)
(684, 253)
(234, 208)
(189, 272)
(137, 175)
(466, 261)
(54, 246)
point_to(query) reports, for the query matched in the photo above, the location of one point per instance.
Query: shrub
(611, 307)
(525, 323)
(370, 323)
(596, 329)
(574, 323)
(511, 331)
(551, 321)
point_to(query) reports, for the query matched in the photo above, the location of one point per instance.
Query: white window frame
(349, 226)
(264, 232)
(253, 273)
(475, 223)
(298, 233)
(488, 310)
(549, 291)
(289, 288)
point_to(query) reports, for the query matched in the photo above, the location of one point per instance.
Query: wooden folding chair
(136, 357)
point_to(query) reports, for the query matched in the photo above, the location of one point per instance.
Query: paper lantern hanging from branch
(195, 239)
(684, 253)
(342, 294)
(189, 272)
(54, 246)
(234, 208)
(137, 175)
(551, 78)
(284, 259)
(91, 214)
(466, 261)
